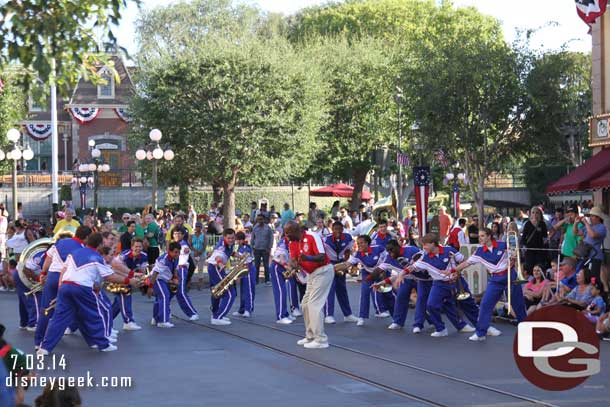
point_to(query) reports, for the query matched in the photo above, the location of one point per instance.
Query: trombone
(51, 307)
(513, 249)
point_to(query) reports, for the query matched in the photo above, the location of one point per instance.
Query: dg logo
(556, 348)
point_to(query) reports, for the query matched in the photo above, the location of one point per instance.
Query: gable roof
(85, 93)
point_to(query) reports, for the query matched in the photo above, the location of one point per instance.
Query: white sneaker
(492, 331)
(329, 320)
(316, 345)
(304, 341)
(114, 332)
(32, 328)
(111, 339)
(297, 313)
(68, 331)
(2, 288)
(93, 346)
(110, 348)
(131, 326)
(165, 325)
(238, 314)
(153, 322)
(467, 329)
(360, 322)
(438, 334)
(226, 319)
(215, 321)
(350, 318)
(394, 325)
(383, 314)
(42, 352)
(477, 338)
(194, 317)
(247, 314)
(284, 321)
(292, 318)
(22, 328)
(416, 329)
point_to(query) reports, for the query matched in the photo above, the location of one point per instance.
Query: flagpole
(54, 143)
(399, 181)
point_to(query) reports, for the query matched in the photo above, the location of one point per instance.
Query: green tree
(12, 102)
(559, 90)
(465, 88)
(362, 78)
(246, 110)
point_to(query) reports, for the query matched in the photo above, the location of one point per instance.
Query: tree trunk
(184, 196)
(480, 199)
(228, 188)
(216, 192)
(359, 180)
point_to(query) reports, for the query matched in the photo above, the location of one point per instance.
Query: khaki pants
(312, 305)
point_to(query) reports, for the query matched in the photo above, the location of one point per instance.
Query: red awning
(603, 181)
(340, 191)
(583, 177)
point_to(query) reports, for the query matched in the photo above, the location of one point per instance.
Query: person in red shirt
(307, 253)
(445, 222)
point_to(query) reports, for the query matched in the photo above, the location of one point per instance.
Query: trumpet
(35, 289)
(51, 307)
(352, 271)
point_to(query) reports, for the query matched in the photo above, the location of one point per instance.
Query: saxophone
(237, 270)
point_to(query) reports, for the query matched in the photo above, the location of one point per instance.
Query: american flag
(441, 158)
(402, 159)
(421, 179)
(456, 200)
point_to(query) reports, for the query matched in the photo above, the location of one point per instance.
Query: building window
(105, 90)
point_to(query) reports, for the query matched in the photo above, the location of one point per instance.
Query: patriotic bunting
(124, 115)
(39, 132)
(84, 114)
(421, 180)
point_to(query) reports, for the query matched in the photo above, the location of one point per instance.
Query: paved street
(196, 364)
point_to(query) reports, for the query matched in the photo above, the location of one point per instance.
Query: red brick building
(93, 112)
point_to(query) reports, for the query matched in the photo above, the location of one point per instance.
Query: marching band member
(278, 267)
(457, 236)
(217, 262)
(307, 253)
(184, 300)
(51, 269)
(371, 258)
(338, 247)
(77, 300)
(381, 237)
(128, 263)
(437, 261)
(399, 257)
(493, 255)
(163, 273)
(31, 269)
(247, 283)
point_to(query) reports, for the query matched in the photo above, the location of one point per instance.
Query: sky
(514, 14)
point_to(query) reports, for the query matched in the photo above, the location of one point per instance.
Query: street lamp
(153, 152)
(88, 176)
(16, 154)
(460, 177)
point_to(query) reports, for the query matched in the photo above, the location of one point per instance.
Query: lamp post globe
(157, 153)
(16, 154)
(141, 155)
(13, 135)
(168, 155)
(28, 154)
(155, 135)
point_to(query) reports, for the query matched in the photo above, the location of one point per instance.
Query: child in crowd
(551, 273)
(597, 306)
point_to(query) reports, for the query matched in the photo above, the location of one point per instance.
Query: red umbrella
(340, 191)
